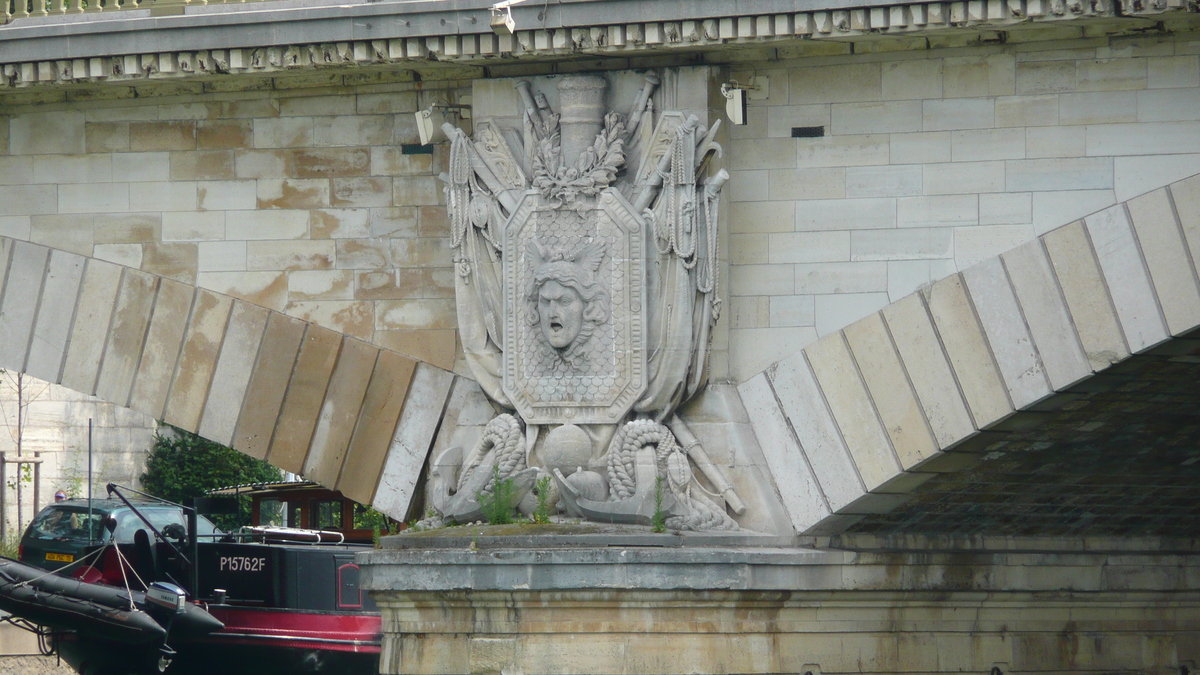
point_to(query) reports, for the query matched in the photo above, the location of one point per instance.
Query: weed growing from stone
(658, 522)
(541, 514)
(498, 507)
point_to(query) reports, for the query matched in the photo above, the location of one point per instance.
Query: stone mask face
(560, 313)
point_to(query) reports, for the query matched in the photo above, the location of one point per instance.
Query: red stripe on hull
(360, 633)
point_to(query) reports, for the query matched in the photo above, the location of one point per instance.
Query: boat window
(272, 512)
(349, 592)
(295, 515)
(327, 515)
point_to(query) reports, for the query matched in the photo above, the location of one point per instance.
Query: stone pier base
(667, 611)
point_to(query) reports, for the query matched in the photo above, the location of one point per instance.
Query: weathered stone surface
(19, 306)
(798, 488)
(894, 399)
(239, 349)
(852, 409)
(197, 360)
(1046, 315)
(167, 326)
(802, 402)
(928, 369)
(305, 393)
(126, 336)
(340, 410)
(1086, 295)
(423, 411)
(967, 348)
(1000, 316)
(376, 426)
(1125, 272)
(56, 310)
(98, 293)
(1186, 195)
(268, 385)
(1165, 252)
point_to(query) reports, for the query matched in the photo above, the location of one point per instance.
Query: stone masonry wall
(932, 161)
(300, 200)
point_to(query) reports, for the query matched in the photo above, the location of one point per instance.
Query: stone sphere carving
(567, 448)
(589, 485)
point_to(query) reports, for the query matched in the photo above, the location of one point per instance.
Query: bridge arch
(1034, 357)
(342, 412)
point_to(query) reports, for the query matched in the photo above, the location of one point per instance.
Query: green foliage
(541, 514)
(498, 507)
(658, 522)
(10, 544)
(182, 465)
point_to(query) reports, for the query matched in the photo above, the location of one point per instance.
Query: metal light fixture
(735, 105)
(502, 18)
(429, 120)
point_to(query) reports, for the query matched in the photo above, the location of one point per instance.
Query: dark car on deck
(61, 532)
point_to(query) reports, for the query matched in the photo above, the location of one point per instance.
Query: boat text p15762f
(241, 563)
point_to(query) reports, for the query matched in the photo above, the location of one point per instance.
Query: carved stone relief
(586, 293)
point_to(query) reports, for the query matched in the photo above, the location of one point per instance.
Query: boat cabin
(306, 505)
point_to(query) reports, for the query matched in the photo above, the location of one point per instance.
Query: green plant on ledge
(498, 506)
(658, 522)
(541, 514)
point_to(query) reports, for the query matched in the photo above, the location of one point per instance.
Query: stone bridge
(958, 299)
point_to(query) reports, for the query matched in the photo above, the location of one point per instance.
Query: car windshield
(72, 523)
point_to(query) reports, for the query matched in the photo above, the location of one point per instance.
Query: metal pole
(90, 528)
(37, 484)
(3, 496)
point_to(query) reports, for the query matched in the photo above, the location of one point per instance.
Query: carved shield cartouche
(596, 253)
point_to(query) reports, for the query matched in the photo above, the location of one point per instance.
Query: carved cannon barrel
(581, 115)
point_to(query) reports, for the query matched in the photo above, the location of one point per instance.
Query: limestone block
(268, 224)
(22, 200)
(760, 217)
(163, 339)
(753, 349)
(268, 289)
(835, 311)
(928, 370)
(126, 336)
(66, 232)
(1186, 195)
(1166, 255)
(268, 385)
(845, 214)
(348, 317)
(293, 193)
(93, 198)
(1110, 74)
(1045, 77)
(436, 347)
(1087, 298)
(248, 164)
(1052, 209)
(847, 277)
(126, 255)
(415, 314)
(55, 312)
(342, 223)
(900, 180)
(1169, 72)
(361, 191)
(47, 133)
(1006, 209)
(798, 247)
(18, 309)
(807, 183)
(304, 254)
(1097, 108)
(840, 151)
(376, 426)
(226, 195)
(792, 476)
(176, 261)
(937, 211)
(820, 442)
(197, 359)
(1000, 315)
(890, 390)
(239, 350)
(781, 118)
(1121, 262)
(876, 117)
(129, 228)
(283, 132)
(305, 393)
(193, 226)
(202, 165)
(220, 256)
(391, 161)
(96, 298)
(409, 447)
(791, 310)
(320, 285)
(1157, 138)
(339, 411)
(761, 280)
(397, 221)
(1055, 142)
(851, 406)
(835, 84)
(968, 351)
(224, 134)
(975, 244)
(141, 167)
(308, 106)
(352, 129)
(963, 178)
(1133, 176)
(1168, 105)
(958, 113)
(173, 135)
(60, 169)
(415, 190)
(920, 148)
(987, 144)
(1059, 174)
(163, 196)
(762, 153)
(1046, 315)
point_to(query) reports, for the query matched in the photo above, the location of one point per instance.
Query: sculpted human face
(560, 313)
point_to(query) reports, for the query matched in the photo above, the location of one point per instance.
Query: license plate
(60, 557)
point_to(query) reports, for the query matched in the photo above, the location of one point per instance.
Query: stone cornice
(221, 40)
